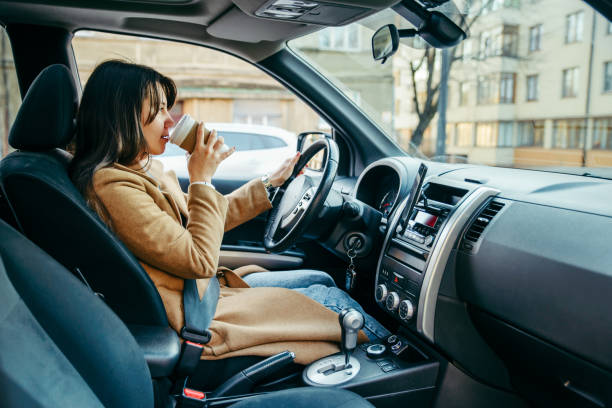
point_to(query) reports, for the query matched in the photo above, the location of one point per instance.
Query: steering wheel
(303, 197)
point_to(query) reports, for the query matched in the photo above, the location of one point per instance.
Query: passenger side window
(251, 110)
(10, 97)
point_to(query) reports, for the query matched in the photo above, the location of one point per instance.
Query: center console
(419, 239)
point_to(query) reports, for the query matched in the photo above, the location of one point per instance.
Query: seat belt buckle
(202, 337)
(189, 359)
(192, 399)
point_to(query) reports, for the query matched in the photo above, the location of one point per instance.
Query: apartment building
(531, 86)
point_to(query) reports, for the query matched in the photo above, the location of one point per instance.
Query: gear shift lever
(351, 321)
(334, 370)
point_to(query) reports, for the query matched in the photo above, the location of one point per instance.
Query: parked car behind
(259, 149)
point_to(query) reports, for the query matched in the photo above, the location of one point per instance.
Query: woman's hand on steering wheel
(303, 197)
(282, 174)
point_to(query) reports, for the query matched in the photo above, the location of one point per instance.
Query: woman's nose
(169, 121)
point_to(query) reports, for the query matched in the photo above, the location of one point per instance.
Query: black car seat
(61, 346)
(52, 213)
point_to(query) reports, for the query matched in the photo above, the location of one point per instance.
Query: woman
(123, 120)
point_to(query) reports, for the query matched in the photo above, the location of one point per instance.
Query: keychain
(351, 275)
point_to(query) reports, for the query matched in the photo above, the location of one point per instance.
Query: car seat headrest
(46, 118)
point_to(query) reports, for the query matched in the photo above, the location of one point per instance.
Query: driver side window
(251, 110)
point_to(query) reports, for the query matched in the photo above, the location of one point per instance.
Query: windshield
(530, 87)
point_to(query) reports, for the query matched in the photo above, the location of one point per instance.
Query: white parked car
(259, 150)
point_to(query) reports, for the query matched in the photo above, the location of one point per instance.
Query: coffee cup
(184, 134)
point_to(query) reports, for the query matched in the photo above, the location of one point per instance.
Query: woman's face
(157, 132)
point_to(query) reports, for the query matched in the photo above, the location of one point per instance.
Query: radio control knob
(406, 310)
(381, 293)
(429, 239)
(392, 301)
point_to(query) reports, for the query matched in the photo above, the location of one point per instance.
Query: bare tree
(426, 109)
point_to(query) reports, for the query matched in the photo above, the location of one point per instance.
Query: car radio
(409, 245)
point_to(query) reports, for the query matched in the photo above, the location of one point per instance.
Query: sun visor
(238, 26)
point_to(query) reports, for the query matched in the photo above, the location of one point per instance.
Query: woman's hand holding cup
(206, 156)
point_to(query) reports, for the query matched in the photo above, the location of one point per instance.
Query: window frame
(574, 82)
(574, 27)
(607, 79)
(504, 78)
(532, 96)
(535, 45)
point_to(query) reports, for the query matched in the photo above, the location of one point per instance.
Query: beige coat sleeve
(155, 236)
(245, 203)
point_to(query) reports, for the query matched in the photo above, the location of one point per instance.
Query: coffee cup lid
(179, 133)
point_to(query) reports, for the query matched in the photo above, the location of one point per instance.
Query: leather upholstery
(52, 213)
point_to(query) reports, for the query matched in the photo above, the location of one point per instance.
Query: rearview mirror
(385, 42)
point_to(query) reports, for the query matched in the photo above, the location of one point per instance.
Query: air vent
(480, 223)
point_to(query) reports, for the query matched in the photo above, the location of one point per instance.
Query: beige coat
(145, 211)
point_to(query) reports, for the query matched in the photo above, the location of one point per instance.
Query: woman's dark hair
(109, 120)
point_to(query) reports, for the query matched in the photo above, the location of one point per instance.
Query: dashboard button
(406, 310)
(392, 301)
(376, 350)
(381, 293)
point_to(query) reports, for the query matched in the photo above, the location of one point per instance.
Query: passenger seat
(61, 346)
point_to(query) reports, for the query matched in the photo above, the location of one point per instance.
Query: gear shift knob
(351, 321)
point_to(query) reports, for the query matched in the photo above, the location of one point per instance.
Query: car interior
(495, 282)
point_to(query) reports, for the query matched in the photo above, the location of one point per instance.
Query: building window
(506, 88)
(340, 38)
(609, 30)
(257, 112)
(484, 94)
(608, 76)
(568, 133)
(506, 131)
(574, 26)
(464, 89)
(463, 134)
(509, 41)
(485, 134)
(486, 45)
(532, 87)
(570, 83)
(535, 35)
(501, 41)
(602, 133)
(494, 5)
(530, 133)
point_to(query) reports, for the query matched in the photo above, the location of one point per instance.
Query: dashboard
(506, 271)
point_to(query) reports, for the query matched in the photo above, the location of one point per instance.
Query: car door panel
(243, 245)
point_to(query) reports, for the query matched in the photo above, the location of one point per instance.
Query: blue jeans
(320, 287)
(300, 278)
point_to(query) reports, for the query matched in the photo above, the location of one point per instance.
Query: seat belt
(199, 312)
(198, 315)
